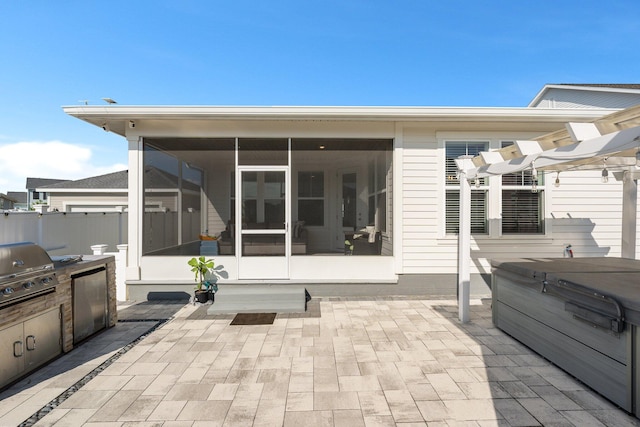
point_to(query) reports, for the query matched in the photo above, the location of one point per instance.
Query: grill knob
(46, 280)
(28, 285)
(7, 291)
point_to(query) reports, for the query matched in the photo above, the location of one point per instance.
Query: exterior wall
(571, 98)
(588, 214)
(582, 212)
(420, 245)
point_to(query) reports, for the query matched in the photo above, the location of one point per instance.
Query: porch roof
(116, 118)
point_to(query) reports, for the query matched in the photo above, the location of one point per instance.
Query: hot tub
(580, 313)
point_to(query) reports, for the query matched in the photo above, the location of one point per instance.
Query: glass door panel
(264, 223)
(349, 219)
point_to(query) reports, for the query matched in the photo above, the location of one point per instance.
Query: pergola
(609, 143)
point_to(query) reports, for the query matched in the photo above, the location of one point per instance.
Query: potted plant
(206, 277)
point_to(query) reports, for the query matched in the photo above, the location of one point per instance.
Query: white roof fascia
(306, 112)
(116, 117)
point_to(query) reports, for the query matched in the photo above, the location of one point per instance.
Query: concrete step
(259, 299)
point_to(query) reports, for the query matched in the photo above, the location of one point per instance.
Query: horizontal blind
(521, 212)
(456, 149)
(478, 212)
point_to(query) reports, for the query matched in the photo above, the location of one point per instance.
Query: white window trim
(443, 187)
(494, 202)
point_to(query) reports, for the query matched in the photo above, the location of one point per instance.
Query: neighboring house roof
(18, 196)
(112, 181)
(6, 197)
(587, 95)
(117, 182)
(41, 182)
(608, 85)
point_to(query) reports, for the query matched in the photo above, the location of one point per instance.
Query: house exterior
(38, 197)
(19, 200)
(103, 193)
(345, 196)
(6, 202)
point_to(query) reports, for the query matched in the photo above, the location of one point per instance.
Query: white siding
(420, 175)
(571, 98)
(66, 202)
(582, 212)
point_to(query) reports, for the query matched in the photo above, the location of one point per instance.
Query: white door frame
(263, 267)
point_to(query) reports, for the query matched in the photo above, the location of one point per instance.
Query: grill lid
(21, 258)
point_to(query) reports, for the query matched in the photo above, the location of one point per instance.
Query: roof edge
(584, 87)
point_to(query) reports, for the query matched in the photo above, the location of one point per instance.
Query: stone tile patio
(347, 362)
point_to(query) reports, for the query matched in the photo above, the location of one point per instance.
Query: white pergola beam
(582, 131)
(595, 149)
(528, 147)
(491, 157)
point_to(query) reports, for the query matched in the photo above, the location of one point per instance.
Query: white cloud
(47, 159)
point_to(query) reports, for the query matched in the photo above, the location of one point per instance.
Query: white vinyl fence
(65, 233)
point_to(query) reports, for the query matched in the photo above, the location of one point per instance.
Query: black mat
(253, 319)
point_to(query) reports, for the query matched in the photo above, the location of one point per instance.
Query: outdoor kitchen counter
(90, 262)
(62, 297)
(583, 314)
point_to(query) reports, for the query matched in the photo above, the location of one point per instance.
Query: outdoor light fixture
(477, 183)
(605, 172)
(557, 183)
(534, 178)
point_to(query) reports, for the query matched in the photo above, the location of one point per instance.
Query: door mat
(253, 319)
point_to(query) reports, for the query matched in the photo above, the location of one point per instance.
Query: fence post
(99, 249)
(121, 271)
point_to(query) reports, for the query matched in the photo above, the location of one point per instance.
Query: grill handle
(17, 349)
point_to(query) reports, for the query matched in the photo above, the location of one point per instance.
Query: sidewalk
(348, 362)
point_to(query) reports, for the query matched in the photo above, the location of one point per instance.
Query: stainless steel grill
(26, 271)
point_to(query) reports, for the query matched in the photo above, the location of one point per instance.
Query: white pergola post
(629, 212)
(464, 242)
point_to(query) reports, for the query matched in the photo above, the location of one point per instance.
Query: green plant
(206, 274)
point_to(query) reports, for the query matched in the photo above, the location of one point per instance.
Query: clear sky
(304, 52)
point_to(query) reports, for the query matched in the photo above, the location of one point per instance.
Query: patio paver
(352, 362)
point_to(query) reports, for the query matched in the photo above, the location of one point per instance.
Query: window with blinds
(478, 212)
(479, 194)
(522, 211)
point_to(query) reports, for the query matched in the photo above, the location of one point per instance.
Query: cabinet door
(42, 338)
(11, 353)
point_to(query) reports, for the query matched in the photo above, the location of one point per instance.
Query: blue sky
(311, 52)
